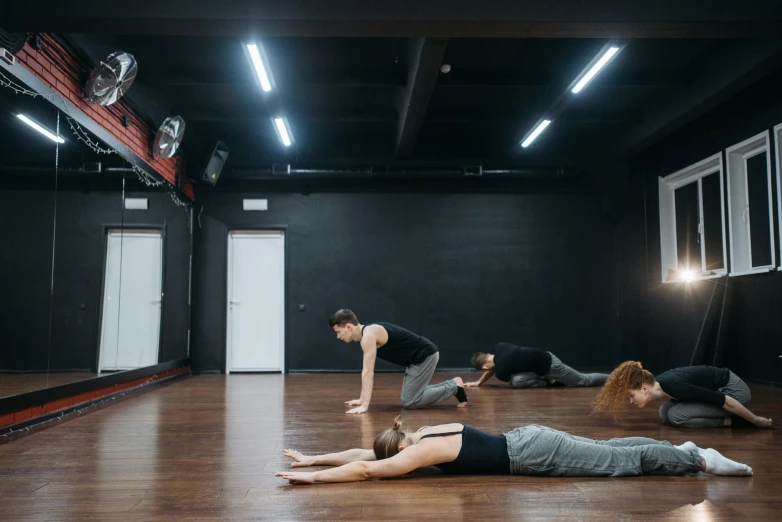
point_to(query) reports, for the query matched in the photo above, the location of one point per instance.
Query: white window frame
(668, 248)
(736, 158)
(777, 144)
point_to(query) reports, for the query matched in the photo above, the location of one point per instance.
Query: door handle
(156, 302)
(234, 303)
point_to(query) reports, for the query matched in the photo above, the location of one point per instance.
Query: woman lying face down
(530, 450)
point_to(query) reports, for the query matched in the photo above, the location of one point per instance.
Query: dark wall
(25, 278)
(464, 270)
(662, 322)
(79, 262)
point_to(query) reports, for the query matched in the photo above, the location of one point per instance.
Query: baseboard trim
(62, 370)
(33, 425)
(15, 403)
(775, 384)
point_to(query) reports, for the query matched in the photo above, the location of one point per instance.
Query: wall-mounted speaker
(215, 164)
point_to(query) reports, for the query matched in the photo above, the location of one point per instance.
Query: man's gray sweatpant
(416, 390)
(538, 450)
(559, 372)
(702, 415)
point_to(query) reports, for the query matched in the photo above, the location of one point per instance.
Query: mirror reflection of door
(130, 326)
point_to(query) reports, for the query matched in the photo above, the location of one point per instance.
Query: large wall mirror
(95, 256)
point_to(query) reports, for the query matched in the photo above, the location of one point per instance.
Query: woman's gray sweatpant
(559, 372)
(416, 390)
(701, 415)
(538, 450)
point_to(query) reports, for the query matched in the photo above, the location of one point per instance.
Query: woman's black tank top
(481, 453)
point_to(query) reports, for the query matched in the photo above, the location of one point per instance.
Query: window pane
(712, 221)
(687, 247)
(759, 225)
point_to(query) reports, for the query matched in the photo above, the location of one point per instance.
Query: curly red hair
(630, 375)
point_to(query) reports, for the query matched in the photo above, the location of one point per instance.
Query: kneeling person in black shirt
(526, 367)
(696, 396)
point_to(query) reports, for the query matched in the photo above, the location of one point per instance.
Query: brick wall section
(61, 404)
(134, 138)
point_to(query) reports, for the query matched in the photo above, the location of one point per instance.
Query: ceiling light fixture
(40, 129)
(592, 72)
(283, 131)
(535, 133)
(255, 57)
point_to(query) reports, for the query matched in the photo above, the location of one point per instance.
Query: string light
(177, 200)
(145, 178)
(82, 136)
(19, 89)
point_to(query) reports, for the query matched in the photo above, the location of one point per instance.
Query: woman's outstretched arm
(736, 408)
(330, 459)
(402, 463)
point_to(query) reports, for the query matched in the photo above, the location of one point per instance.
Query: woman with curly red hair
(696, 396)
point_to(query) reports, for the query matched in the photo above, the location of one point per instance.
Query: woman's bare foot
(460, 394)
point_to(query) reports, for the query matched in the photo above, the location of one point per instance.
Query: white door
(256, 316)
(130, 331)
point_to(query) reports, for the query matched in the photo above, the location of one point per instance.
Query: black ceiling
(360, 83)
(406, 18)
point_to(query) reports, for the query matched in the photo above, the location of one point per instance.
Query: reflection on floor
(16, 383)
(207, 447)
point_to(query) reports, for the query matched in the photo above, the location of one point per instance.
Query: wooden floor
(206, 448)
(16, 383)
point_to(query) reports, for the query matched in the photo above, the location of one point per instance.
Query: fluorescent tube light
(283, 131)
(255, 56)
(595, 69)
(40, 129)
(541, 126)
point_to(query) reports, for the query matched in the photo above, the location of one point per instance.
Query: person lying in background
(525, 367)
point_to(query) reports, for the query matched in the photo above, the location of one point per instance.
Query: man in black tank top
(399, 346)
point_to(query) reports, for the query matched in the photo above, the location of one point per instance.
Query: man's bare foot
(460, 383)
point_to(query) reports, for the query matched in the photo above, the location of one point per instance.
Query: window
(692, 224)
(778, 143)
(750, 206)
